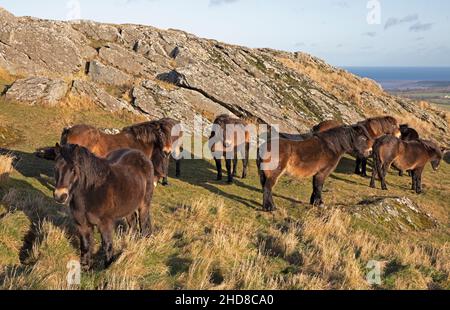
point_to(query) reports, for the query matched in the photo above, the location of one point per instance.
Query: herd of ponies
(105, 178)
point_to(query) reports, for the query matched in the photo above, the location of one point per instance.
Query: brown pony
(154, 139)
(102, 191)
(316, 157)
(230, 138)
(176, 148)
(404, 155)
(377, 127)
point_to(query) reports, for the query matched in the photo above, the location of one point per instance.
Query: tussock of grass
(6, 167)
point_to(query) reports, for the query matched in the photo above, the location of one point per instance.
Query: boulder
(99, 96)
(37, 90)
(159, 99)
(107, 75)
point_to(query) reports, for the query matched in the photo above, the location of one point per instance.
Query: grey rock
(107, 75)
(38, 90)
(99, 96)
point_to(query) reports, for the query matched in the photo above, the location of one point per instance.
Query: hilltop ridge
(157, 73)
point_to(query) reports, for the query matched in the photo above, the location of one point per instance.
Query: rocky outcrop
(172, 73)
(87, 90)
(397, 213)
(107, 75)
(38, 90)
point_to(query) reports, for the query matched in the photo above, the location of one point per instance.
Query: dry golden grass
(6, 77)
(215, 252)
(6, 167)
(343, 85)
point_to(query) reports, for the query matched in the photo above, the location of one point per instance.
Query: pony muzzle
(61, 195)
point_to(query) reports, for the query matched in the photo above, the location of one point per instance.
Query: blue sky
(410, 32)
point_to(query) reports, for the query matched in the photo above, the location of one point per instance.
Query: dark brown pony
(377, 127)
(408, 134)
(404, 155)
(316, 157)
(102, 191)
(230, 138)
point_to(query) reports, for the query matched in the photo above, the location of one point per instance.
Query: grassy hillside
(212, 235)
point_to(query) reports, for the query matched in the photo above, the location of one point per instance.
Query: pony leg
(246, 160)
(178, 165)
(106, 231)
(268, 203)
(165, 181)
(383, 174)
(372, 180)
(375, 170)
(219, 169)
(316, 198)
(132, 222)
(364, 167)
(178, 168)
(230, 173)
(235, 163)
(413, 179)
(418, 174)
(85, 233)
(358, 166)
(145, 221)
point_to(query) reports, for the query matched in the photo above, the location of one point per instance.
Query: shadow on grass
(30, 166)
(203, 174)
(19, 195)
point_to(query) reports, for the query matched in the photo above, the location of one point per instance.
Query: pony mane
(94, 170)
(225, 119)
(432, 147)
(148, 133)
(341, 139)
(386, 124)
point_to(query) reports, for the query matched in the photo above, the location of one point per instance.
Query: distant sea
(405, 77)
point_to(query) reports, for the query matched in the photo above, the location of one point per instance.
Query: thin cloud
(419, 27)
(220, 2)
(342, 4)
(393, 21)
(370, 34)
